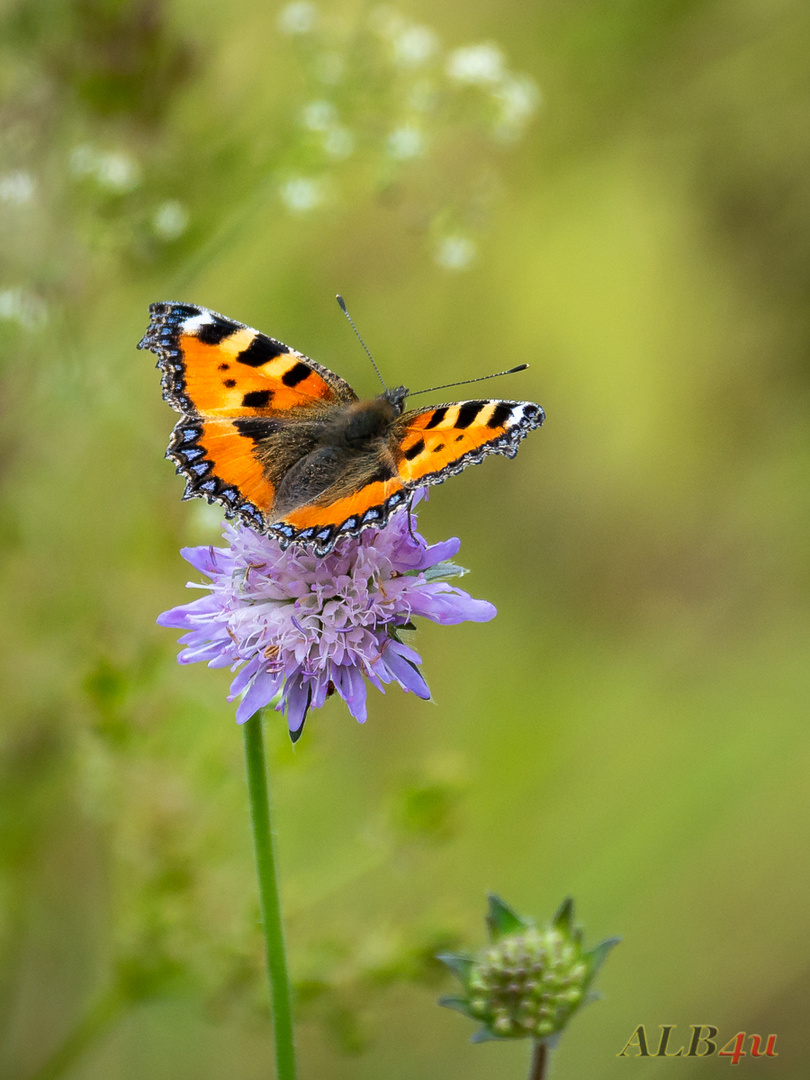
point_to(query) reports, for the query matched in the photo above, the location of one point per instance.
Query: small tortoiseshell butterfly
(286, 444)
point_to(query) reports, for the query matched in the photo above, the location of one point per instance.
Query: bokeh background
(616, 193)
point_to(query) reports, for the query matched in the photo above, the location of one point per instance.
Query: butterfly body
(286, 445)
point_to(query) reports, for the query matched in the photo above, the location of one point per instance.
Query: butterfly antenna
(464, 382)
(345, 311)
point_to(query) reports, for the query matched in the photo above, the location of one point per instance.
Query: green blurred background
(631, 729)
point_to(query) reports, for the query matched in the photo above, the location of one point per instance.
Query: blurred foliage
(630, 730)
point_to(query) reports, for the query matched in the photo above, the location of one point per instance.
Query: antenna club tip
(341, 301)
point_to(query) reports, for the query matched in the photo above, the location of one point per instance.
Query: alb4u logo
(703, 1043)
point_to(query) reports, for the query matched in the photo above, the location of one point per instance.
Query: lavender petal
(405, 671)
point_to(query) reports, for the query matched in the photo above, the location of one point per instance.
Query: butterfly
(286, 445)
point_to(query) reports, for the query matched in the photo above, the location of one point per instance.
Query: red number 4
(737, 1052)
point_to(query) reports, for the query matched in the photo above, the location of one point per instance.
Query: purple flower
(302, 626)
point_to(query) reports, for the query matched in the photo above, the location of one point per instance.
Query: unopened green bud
(526, 982)
(503, 1025)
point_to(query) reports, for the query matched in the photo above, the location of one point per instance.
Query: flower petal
(296, 699)
(182, 616)
(351, 687)
(405, 670)
(208, 560)
(260, 693)
(447, 605)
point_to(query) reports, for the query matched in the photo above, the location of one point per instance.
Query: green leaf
(459, 1004)
(564, 919)
(485, 1035)
(598, 954)
(459, 964)
(444, 570)
(502, 920)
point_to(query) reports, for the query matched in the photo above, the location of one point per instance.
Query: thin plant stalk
(269, 898)
(539, 1061)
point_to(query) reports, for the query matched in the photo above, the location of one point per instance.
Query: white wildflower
(17, 188)
(299, 17)
(406, 142)
(476, 65)
(518, 98)
(170, 220)
(114, 170)
(414, 45)
(118, 172)
(455, 252)
(24, 308)
(301, 194)
(319, 115)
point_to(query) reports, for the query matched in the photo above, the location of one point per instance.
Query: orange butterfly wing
(235, 387)
(370, 505)
(440, 441)
(427, 446)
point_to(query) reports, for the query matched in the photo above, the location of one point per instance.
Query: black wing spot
(437, 448)
(260, 350)
(468, 412)
(415, 450)
(215, 332)
(257, 399)
(256, 428)
(382, 474)
(230, 383)
(500, 415)
(224, 367)
(437, 418)
(459, 438)
(297, 373)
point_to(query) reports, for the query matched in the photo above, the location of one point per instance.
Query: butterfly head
(361, 423)
(397, 397)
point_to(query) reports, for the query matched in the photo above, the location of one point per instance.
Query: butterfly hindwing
(369, 506)
(439, 441)
(219, 461)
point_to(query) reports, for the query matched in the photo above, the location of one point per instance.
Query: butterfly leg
(410, 519)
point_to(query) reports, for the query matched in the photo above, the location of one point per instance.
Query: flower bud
(525, 982)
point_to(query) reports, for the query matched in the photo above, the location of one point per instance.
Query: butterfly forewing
(438, 442)
(213, 366)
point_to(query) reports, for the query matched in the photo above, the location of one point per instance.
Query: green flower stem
(539, 1061)
(268, 897)
(104, 1011)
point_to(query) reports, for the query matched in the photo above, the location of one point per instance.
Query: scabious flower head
(303, 626)
(526, 982)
